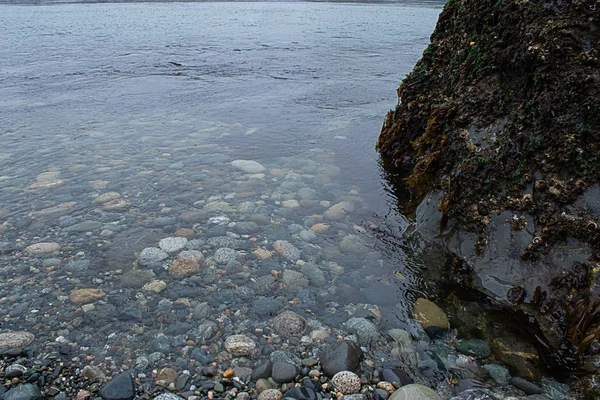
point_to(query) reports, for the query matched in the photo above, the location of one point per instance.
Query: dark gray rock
(284, 372)
(121, 387)
(301, 393)
(526, 386)
(341, 356)
(24, 392)
(262, 370)
(476, 348)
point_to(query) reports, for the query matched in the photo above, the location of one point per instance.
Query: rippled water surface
(121, 124)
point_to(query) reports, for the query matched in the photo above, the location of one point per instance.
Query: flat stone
(338, 211)
(172, 244)
(86, 296)
(427, 313)
(121, 387)
(183, 268)
(415, 392)
(151, 255)
(42, 248)
(156, 286)
(93, 373)
(16, 339)
(528, 387)
(248, 166)
(107, 197)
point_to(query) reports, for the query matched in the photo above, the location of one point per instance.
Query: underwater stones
(112, 201)
(121, 387)
(23, 392)
(346, 382)
(172, 244)
(224, 255)
(42, 248)
(288, 323)
(286, 250)
(352, 244)
(136, 278)
(498, 373)
(107, 197)
(270, 394)
(290, 204)
(180, 268)
(248, 166)
(293, 278)
(93, 373)
(366, 331)
(192, 217)
(168, 396)
(185, 233)
(338, 211)
(240, 345)
(341, 356)
(86, 296)
(526, 386)
(151, 255)
(319, 228)
(15, 339)
(476, 348)
(415, 392)
(521, 358)
(46, 184)
(427, 313)
(191, 255)
(284, 372)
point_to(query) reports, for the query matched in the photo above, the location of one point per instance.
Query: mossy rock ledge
(496, 137)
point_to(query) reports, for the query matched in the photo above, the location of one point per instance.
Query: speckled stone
(172, 244)
(270, 394)
(346, 382)
(288, 323)
(240, 345)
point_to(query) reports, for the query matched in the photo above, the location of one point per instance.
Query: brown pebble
(387, 386)
(15, 381)
(228, 373)
(185, 232)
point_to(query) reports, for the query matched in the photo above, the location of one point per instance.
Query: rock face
(496, 138)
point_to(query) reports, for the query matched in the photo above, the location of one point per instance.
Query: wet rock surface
(494, 180)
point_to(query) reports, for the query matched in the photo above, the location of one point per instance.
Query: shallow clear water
(154, 102)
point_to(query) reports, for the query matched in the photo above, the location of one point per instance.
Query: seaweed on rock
(500, 116)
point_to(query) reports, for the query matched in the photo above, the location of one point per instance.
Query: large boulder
(496, 136)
